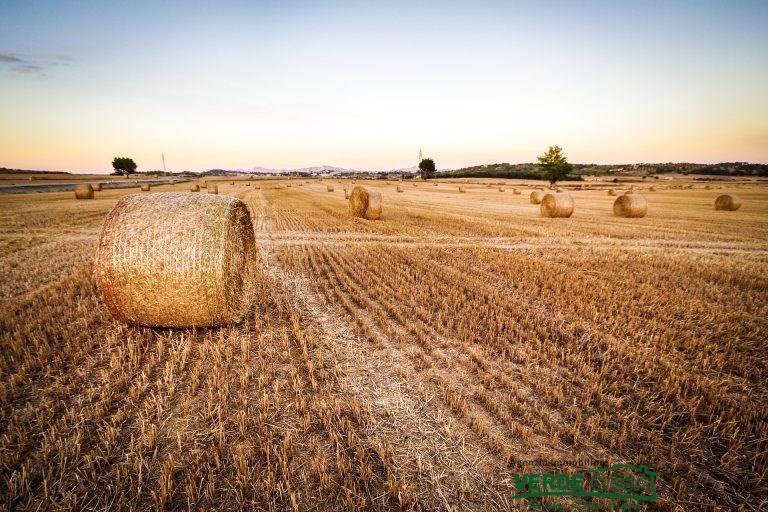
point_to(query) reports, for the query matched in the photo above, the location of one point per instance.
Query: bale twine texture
(558, 204)
(630, 206)
(175, 260)
(365, 203)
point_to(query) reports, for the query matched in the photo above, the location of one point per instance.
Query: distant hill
(528, 170)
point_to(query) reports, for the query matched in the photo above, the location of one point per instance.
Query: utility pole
(163, 155)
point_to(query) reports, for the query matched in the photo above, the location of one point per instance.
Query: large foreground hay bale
(176, 260)
(558, 204)
(630, 205)
(84, 191)
(194, 187)
(145, 187)
(728, 202)
(96, 187)
(213, 188)
(537, 196)
(365, 203)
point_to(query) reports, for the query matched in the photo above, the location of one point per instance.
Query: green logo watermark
(618, 487)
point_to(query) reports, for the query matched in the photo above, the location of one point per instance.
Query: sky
(364, 85)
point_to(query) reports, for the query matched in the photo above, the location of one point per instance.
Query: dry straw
(559, 204)
(145, 187)
(630, 205)
(537, 196)
(329, 188)
(84, 191)
(213, 188)
(728, 202)
(194, 187)
(365, 203)
(176, 260)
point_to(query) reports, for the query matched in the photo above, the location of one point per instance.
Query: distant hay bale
(462, 190)
(558, 189)
(558, 204)
(611, 192)
(231, 182)
(145, 187)
(516, 191)
(346, 193)
(194, 187)
(365, 203)
(257, 187)
(84, 191)
(434, 184)
(501, 189)
(213, 188)
(652, 189)
(96, 187)
(329, 188)
(414, 184)
(630, 206)
(203, 184)
(537, 196)
(728, 202)
(248, 184)
(175, 260)
(399, 188)
(708, 187)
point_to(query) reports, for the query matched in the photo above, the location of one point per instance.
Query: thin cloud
(31, 65)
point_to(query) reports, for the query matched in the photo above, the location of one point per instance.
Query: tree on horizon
(554, 165)
(123, 165)
(427, 168)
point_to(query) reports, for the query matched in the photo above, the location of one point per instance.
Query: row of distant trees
(553, 165)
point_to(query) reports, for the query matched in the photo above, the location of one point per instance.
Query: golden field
(414, 362)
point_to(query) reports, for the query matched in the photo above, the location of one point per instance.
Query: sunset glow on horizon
(363, 86)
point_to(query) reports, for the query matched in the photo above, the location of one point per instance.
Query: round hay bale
(231, 182)
(414, 184)
(501, 189)
(365, 203)
(558, 190)
(399, 188)
(329, 188)
(203, 184)
(516, 191)
(462, 190)
(611, 192)
(346, 194)
(145, 187)
(537, 196)
(630, 206)
(728, 202)
(33, 178)
(708, 187)
(84, 191)
(559, 204)
(213, 188)
(248, 184)
(194, 187)
(96, 187)
(175, 260)
(652, 189)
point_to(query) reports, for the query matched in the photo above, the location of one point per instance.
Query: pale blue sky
(364, 85)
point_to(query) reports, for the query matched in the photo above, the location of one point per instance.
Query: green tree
(427, 168)
(123, 165)
(553, 165)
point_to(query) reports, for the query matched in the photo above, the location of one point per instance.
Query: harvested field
(417, 361)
